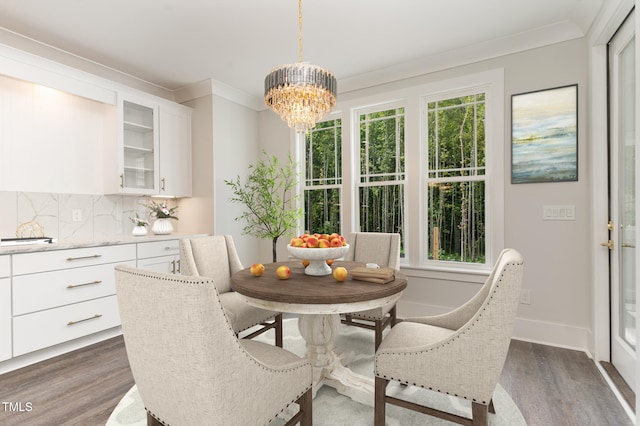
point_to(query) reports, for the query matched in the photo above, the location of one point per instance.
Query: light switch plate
(565, 212)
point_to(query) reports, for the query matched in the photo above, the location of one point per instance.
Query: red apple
(257, 269)
(283, 272)
(324, 244)
(340, 273)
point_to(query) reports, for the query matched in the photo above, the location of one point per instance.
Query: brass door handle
(608, 244)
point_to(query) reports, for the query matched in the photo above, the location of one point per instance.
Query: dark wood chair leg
(306, 408)
(492, 409)
(278, 320)
(379, 401)
(480, 414)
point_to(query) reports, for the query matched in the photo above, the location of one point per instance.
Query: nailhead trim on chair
(204, 281)
(490, 297)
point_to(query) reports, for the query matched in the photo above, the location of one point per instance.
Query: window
(425, 161)
(455, 183)
(323, 177)
(382, 171)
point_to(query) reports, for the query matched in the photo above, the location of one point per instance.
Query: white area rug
(331, 408)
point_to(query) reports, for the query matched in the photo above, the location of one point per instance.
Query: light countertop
(82, 243)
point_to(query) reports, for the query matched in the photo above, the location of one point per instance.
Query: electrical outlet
(76, 215)
(525, 296)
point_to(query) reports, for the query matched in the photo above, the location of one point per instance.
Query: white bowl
(317, 258)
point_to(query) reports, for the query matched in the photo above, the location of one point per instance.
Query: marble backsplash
(101, 215)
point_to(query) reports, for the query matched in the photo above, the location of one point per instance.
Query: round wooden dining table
(319, 300)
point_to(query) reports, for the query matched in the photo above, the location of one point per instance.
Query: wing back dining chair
(188, 364)
(382, 249)
(458, 353)
(216, 257)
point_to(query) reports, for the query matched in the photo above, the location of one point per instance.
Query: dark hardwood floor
(551, 386)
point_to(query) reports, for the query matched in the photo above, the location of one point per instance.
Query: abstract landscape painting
(544, 138)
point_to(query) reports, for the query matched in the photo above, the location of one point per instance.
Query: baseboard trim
(534, 331)
(60, 349)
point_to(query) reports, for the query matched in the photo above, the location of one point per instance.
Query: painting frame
(544, 135)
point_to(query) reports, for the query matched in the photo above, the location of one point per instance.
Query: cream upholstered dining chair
(382, 249)
(216, 257)
(460, 353)
(189, 366)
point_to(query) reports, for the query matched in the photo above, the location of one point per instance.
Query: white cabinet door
(163, 264)
(175, 150)
(5, 318)
(132, 163)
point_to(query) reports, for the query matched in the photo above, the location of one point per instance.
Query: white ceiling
(174, 43)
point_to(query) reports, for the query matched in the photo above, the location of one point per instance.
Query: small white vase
(139, 231)
(162, 227)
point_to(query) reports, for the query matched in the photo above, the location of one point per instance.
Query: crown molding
(543, 36)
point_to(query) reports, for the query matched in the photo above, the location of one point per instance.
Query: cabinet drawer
(36, 292)
(47, 328)
(5, 266)
(162, 264)
(29, 263)
(158, 248)
(5, 318)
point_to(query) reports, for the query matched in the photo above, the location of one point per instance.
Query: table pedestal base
(319, 332)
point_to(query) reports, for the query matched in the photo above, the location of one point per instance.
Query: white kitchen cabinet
(51, 141)
(62, 295)
(138, 159)
(160, 256)
(5, 308)
(175, 150)
(57, 325)
(153, 151)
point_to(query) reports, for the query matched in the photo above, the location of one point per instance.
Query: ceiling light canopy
(300, 93)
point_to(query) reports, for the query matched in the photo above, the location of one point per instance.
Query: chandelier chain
(300, 30)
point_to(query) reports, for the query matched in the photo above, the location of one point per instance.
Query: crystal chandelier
(300, 93)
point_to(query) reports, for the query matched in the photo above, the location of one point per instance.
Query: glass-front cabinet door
(139, 157)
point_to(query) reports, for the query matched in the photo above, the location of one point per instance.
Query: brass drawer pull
(71, 259)
(83, 320)
(83, 284)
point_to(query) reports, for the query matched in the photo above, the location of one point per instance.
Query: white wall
(197, 212)
(275, 139)
(235, 142)
(556, 253)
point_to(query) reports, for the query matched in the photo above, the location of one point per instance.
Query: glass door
(622, 197)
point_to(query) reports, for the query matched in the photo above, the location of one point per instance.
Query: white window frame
(357, 175)
(491, 84)
(302, 169)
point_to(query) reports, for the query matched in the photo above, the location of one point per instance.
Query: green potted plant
(270, 199)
